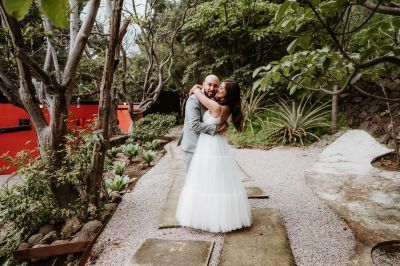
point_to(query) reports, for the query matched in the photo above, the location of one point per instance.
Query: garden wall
(372, 114)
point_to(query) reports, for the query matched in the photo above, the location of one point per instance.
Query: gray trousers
(187, 158)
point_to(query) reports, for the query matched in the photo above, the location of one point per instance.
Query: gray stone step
(264, 243)
(162, 252)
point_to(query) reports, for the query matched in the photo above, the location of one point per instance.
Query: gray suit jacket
(193, 124)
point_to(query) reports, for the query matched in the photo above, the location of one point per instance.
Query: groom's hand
(194, 88)
(222, 128)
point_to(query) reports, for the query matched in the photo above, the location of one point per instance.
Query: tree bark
(334, 111)
(100, 148)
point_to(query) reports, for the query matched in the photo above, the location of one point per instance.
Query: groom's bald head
(211, 85)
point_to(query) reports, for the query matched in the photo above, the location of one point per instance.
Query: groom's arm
(194, 117)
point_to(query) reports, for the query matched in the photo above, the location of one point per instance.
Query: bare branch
(34, 67)
(383, 59)
(73, 24)
(375, 96)
(395, 11)
(80, 44)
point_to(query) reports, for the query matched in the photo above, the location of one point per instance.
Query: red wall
(17, 141)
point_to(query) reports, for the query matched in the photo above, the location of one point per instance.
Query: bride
(213, 197)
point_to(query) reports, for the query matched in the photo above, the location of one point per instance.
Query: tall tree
(54, 88)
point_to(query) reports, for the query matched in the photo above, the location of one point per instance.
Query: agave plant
(253, 103)
(119, 168)
(130, 150)
(295, 122)
(113, 152)
(152, 145)
(148, 156)
(117, 183)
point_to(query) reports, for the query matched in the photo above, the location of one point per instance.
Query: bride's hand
(194, 88)
(221, 128)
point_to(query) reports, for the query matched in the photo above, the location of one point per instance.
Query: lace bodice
(208, 119)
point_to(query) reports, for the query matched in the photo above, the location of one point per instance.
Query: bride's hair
(232, 99)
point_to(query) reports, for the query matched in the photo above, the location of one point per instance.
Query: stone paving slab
(167, 218)
(264, 243)
(162, 252)
(256, 193)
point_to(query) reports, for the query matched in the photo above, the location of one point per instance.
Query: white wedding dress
(213, 197)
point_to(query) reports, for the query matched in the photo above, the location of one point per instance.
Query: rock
(88, 231)
(363, 115)
(49, 237)
(71, 226)
(59, 242)
(115, 196)
(384, 138)
(70, 257)
(364, 124)
(35, 239)
(373, 109)
(107, 211)
(24, 245)
(47, 228)
(373, 128)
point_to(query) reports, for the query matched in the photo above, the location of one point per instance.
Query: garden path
(317, 236)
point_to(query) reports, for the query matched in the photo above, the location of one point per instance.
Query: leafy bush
(152, 145)
(29, 204)
(148, 156)
(130, 150)
(297, 123)
(249, 137)
(26, 206)
(117, 183)
(119, 168)
(152, 126)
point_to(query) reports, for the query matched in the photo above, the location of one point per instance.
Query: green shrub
(297, 123)
(130, 150)
(152, 126)
(117, 183)
(253, 103)
(119, 168)
(113, 152)
(152, 145)
(148, 156)
(26, 206)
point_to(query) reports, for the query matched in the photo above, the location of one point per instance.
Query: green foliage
(118, 183)
(130, 150)
(253, 103)
(26, 206)
(119, 168)
(297, 123)
(113, 152)
(230, 38)
(29, 204)
(152, 126)
(311, 67)
(148, 156)
(152, 145)
(55, 10)
(255, 137)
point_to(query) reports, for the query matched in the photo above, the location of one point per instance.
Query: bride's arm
(212, 106)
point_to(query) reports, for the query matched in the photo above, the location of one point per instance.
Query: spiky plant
(148, 156)
(119, 168)
(117, 183)
(130, 150)
(296, 122)
(152, 145)
(113, 152)
(253, 103)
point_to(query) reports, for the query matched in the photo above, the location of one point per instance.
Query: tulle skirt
(213, 197)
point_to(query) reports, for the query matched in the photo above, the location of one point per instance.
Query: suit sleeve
(194, 115)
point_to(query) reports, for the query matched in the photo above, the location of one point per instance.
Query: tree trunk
(334, 111)
(99, 150)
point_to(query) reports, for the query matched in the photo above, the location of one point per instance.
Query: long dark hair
(232, 99)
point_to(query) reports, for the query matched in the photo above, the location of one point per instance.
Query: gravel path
(317, 236)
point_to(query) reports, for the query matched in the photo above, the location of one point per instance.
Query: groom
(193, 124)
